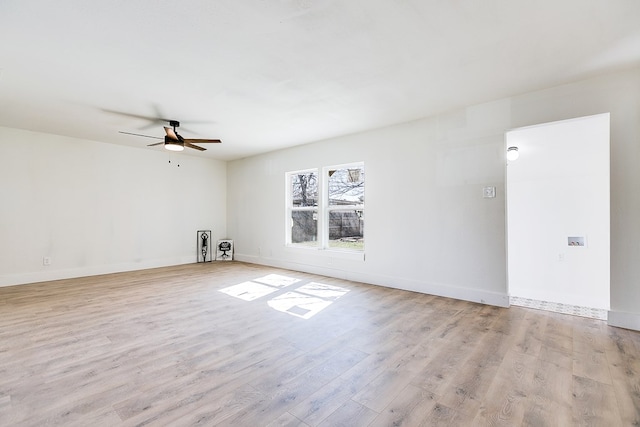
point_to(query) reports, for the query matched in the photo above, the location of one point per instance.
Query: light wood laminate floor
(245, 345)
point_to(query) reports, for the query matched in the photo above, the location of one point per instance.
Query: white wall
(427, 226)
(559, 188)
(429, 174)
(98, 208)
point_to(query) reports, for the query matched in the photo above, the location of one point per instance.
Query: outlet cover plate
(489, 192)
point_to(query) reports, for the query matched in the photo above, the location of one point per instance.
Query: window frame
(322, 208)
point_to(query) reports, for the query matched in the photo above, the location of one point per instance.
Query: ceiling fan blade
(157, 143)
(135, 116)
(186, 144)
(203, 141)
(138, 134)
(171, 134)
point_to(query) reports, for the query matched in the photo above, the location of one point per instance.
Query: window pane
(304, 227)
(346, 229)
(304, 189)
(346, 186)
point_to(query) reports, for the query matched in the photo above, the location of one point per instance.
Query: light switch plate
(489, 192)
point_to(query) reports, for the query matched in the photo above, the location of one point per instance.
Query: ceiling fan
(173, 141)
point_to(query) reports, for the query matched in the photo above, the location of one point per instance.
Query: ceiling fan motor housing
(175, 142)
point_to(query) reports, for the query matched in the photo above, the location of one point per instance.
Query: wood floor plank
(558, 334)
(590, 361)
(624, 362)
(326, 400)
(594, 403)
(384, 389)
(166, 346)
(506, 399)
(332, 361)
(443, 364)
(529, 337)
(350, 414)
(469, 384)
(175, 390)
(320, 404)
(287, 420)
(539, 411)
(443, 416)
(551, 393)
(216, 411)
(557, 357)
(411, 407)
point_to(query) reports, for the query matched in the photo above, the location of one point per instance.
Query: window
(303, 207)
(328, 214)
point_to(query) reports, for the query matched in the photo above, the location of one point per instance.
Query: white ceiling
(267, 74)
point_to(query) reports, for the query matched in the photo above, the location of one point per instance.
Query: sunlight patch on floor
(249, 291)
(277, 280)
(323, 291)
(297, 304)
(304, 302)
(307, 300)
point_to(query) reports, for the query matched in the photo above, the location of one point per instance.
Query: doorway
(558, 213)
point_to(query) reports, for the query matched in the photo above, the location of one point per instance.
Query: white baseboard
(443, 290)
(623, 319)
(47, 274)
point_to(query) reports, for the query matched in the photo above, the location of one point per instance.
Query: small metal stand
(203, 243)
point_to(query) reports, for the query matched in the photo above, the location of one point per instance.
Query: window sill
(327, 253)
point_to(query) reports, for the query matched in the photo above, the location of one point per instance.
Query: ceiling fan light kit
(172, 145)
(173, 141)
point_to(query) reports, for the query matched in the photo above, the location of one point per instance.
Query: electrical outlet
(46, 261)
(489, 192)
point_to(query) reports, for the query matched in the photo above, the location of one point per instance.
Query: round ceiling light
(173, 146)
